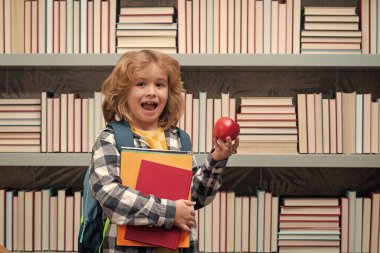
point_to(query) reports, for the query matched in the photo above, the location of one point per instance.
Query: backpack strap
(185, 140)
(123, 134)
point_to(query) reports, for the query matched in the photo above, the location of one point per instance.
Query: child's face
(148, 96)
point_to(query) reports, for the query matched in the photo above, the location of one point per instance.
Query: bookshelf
(244, 160)
(281, 174)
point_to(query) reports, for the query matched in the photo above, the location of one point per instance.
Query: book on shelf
(105, 29)
(20, 108)
(61, 217)
(145, 32)
(230, 217)
(268, 137)
(301, 201)
(375, 223)
(69, 224)
(266, 100)
(267, 147)
(375, 127)
(37, 221)
(166, 50)
(328, 45)
(147, 41)
(348, 105)
(146, 26)
(309, 224)
(320, 210)
(326, 33)
(20, 122)
(53, 223)
(20, 115)
(307, 217)
(267, 109)
(331, 26)
(331, 51)
(238, 223)
(344, 224)
(9, 217)
(267, 123)
(2, 216)
(47, 220)
(331, 39)
(309, 243)
(331, 18)
(366, 224)
(20, 101)
(266, 116)
(151, 10)
(323, 232)
(159, 18)
(131, 159)
(245, 218)
(305, 249)
(329, 10)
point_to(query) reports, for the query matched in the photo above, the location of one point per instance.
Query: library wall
(263, 81)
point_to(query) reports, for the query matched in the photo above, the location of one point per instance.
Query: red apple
(225, 127)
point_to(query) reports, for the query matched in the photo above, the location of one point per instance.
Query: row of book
(238, 27)
(267, 125)
(66, 123)
(206, 27)
(59, 26)
(40, 220)
(267, 223)
(48, 220)
(337, 30)
(347, 123)
(140, 28)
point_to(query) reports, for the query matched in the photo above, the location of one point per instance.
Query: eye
(160, 85)
(140, 84)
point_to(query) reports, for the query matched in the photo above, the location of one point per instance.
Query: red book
(160, 180)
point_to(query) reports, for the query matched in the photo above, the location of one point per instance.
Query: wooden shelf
(246, 160)
(198, 60)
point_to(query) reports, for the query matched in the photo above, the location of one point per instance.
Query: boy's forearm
(207, 181)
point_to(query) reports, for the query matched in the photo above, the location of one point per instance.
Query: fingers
(189, 203)
(185, 228)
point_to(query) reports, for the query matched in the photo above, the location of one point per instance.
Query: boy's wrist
(167, 214)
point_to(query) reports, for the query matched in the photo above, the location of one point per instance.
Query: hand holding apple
(225, 127)
(226, 138)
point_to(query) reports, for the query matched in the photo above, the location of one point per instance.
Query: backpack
(93, 227)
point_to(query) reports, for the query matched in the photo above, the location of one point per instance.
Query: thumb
(189, 203)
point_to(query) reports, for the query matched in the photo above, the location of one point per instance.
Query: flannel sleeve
(121, 204)
(207, 179)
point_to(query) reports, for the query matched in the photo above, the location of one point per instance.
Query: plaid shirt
(124, 205)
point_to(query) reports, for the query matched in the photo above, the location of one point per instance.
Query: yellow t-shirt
(156, 140)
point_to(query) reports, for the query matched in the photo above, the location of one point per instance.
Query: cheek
(165, 96)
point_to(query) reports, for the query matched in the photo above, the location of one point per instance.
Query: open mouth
(149, 106)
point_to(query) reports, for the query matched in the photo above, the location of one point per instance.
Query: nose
(151, 90)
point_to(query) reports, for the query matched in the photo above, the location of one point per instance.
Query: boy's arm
(207, 179)
(121, 204)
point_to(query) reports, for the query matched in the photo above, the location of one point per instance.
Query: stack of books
(20, 124)
(147, 28)
(267, 125)
(331, 30)
(309, 225)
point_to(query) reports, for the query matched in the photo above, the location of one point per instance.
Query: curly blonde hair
(118, 84)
